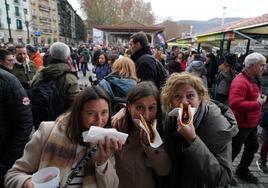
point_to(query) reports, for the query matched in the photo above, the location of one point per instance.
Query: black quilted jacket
(16, 120)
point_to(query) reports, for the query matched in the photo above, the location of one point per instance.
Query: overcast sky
(202, 9)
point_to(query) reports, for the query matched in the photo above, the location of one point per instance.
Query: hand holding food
(186, 117)
(149, 129)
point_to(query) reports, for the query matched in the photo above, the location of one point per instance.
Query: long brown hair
(74, 126)
(142, 89)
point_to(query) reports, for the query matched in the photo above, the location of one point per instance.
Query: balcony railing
(44, 7)
(45, 19)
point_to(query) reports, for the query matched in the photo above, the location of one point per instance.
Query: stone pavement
(263, 178)
(83, 81)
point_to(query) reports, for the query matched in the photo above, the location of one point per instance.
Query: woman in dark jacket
(212, 69)
(261, 163)
(175, 64)
(201, 152)
(224, 78)
(102, 68)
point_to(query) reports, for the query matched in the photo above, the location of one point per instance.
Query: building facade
(14, 21)
(44, 23)
(40, 22)
(71, 26)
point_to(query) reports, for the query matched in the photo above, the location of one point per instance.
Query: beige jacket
(34, 151)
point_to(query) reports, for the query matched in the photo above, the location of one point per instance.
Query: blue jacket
(117, 86)
(102, 70)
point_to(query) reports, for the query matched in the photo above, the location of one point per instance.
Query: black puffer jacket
(16, 121)
(145, 65)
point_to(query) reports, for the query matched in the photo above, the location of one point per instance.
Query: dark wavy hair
(4, 53)
(140, 37)
(74, 126)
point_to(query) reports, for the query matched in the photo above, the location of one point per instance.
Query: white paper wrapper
(94, 134)
(157, 141)
(178, 113)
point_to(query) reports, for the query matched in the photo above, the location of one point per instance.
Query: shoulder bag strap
(80, 165)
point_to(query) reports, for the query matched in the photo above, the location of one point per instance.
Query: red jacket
(243, 99)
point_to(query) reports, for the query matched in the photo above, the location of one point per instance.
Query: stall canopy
(124, 30)
(252, 29)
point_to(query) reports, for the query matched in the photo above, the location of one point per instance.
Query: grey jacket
(207, 162)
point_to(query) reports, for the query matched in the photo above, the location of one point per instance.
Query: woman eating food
(141, 162)
(198, 134)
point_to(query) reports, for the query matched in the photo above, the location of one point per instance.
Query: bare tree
(173, 29)
(115, 11)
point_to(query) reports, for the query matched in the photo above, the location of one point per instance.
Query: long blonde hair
(178, 79)
(125, 67)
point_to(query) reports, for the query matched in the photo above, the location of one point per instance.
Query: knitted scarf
(59, 151)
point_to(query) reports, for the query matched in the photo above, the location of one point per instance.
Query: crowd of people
(44, 112)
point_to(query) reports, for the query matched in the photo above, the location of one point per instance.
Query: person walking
(261, 162)
(246, 100)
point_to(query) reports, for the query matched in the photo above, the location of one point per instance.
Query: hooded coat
(68, 84)
(198, 67)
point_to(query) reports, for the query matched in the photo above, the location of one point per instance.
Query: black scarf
(141, 52)
(4, 68)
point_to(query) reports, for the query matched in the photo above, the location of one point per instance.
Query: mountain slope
(202, 26)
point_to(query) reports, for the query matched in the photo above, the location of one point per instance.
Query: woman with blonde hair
(201, 150)
(121, 80)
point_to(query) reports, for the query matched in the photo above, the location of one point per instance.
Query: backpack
(46, 101)
(161, 72)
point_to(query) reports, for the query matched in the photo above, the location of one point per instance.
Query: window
(17, 11)
(16, 1)
(19, 24)
(25, 11)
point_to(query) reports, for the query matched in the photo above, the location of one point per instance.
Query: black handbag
(264, 121)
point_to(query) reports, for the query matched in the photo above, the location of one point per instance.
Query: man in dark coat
(142, 56)
(24, 69)
(16, 121)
